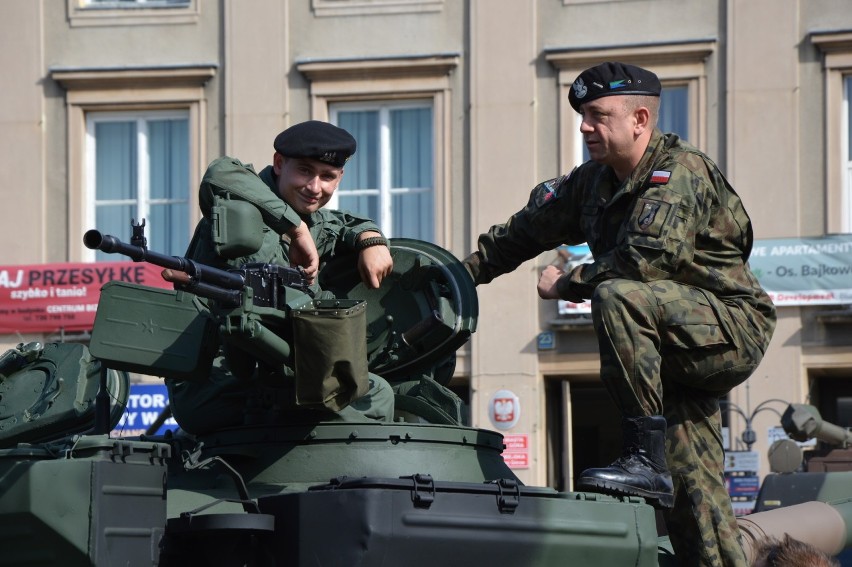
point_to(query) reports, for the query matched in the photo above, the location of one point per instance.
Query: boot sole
(661, 500)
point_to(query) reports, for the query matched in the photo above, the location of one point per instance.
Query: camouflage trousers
(670, 349)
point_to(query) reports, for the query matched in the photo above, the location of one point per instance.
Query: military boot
(641, 470)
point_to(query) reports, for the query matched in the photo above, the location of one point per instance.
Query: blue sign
(144, 405)
(747, 486)
(546, 340)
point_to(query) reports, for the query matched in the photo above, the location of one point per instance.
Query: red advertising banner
(44, 298)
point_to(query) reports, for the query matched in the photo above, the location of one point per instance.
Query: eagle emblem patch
(648, 214)
(548, 191)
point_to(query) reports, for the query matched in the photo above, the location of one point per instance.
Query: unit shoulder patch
(547, 191)
(649, 216)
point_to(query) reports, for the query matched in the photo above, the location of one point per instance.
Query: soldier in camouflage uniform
(680, 318)
(290, 194)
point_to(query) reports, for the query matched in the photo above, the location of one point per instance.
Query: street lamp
(749, 437)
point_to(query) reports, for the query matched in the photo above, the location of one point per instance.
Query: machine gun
(266, 315)
(267, 281)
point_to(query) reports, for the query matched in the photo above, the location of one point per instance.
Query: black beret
(316, 140)
(612, 79)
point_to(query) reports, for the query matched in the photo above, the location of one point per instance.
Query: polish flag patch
(661, 177)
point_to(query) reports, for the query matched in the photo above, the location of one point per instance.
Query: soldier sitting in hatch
(307, 168)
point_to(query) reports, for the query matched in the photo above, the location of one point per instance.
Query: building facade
(111, 109)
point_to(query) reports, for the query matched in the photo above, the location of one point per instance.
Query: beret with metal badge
(612, 78)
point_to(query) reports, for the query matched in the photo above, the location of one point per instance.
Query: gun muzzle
(95, 240)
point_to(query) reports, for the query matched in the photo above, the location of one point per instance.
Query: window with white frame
(132, 12)
(136, 3)
(137, 166)
(846, 221)
(389, 179)
(836, 48)
(674, 110)
(156, 145)
(335, 8)
(398, 109)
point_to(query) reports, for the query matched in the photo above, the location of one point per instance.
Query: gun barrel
(95, 240)
(226, 297)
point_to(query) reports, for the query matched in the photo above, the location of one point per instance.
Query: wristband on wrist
(371, 241)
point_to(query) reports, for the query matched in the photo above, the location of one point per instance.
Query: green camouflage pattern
(692, 229)
(679, 315)
(665, 351)
(702, 527)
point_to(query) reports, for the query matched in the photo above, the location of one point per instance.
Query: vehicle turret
(803, 422)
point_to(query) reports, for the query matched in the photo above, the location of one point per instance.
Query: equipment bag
(330, 340)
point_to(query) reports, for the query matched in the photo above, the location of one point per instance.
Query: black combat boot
(641, 470)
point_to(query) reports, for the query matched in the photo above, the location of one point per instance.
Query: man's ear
(277, 163)
(643, 118)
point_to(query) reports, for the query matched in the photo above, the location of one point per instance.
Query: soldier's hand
(374, 264)
(547, 282)
(303, 251)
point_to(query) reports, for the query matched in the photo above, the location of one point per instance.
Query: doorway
(583, 428)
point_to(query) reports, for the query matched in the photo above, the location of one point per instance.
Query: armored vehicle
(824, 474)
(820, 475)
(292, 483)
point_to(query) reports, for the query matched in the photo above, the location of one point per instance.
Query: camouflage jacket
(674, 218)
(332, 230)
